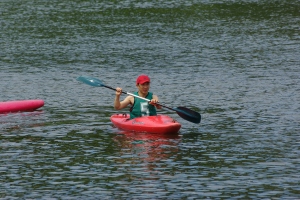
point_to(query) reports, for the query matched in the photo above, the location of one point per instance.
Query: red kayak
(20, 106)
(161, 124)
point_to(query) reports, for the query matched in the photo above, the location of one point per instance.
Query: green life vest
(142, 107)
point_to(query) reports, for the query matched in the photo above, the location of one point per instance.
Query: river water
(236, 62)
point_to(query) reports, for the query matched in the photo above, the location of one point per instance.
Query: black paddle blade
(90, 81)
(188, 114)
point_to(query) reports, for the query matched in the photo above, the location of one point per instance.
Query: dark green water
(235, 62)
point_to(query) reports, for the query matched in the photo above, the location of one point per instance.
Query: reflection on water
(148, 147)
(14, 121)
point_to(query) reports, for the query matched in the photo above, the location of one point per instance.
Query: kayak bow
(20, 106)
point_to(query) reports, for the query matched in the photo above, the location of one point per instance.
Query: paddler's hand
(154, 103)
(118, 91)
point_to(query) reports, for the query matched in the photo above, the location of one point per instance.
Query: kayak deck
(161, 124)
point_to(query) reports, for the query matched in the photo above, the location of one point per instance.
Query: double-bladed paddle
(183, 112)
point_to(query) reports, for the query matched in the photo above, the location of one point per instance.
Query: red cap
(142, 79)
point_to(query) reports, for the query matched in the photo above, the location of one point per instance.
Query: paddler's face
(144, 88)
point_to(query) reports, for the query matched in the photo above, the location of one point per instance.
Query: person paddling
(139, 107)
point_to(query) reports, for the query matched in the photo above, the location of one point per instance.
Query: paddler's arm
(118, 105)
(154, 100)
